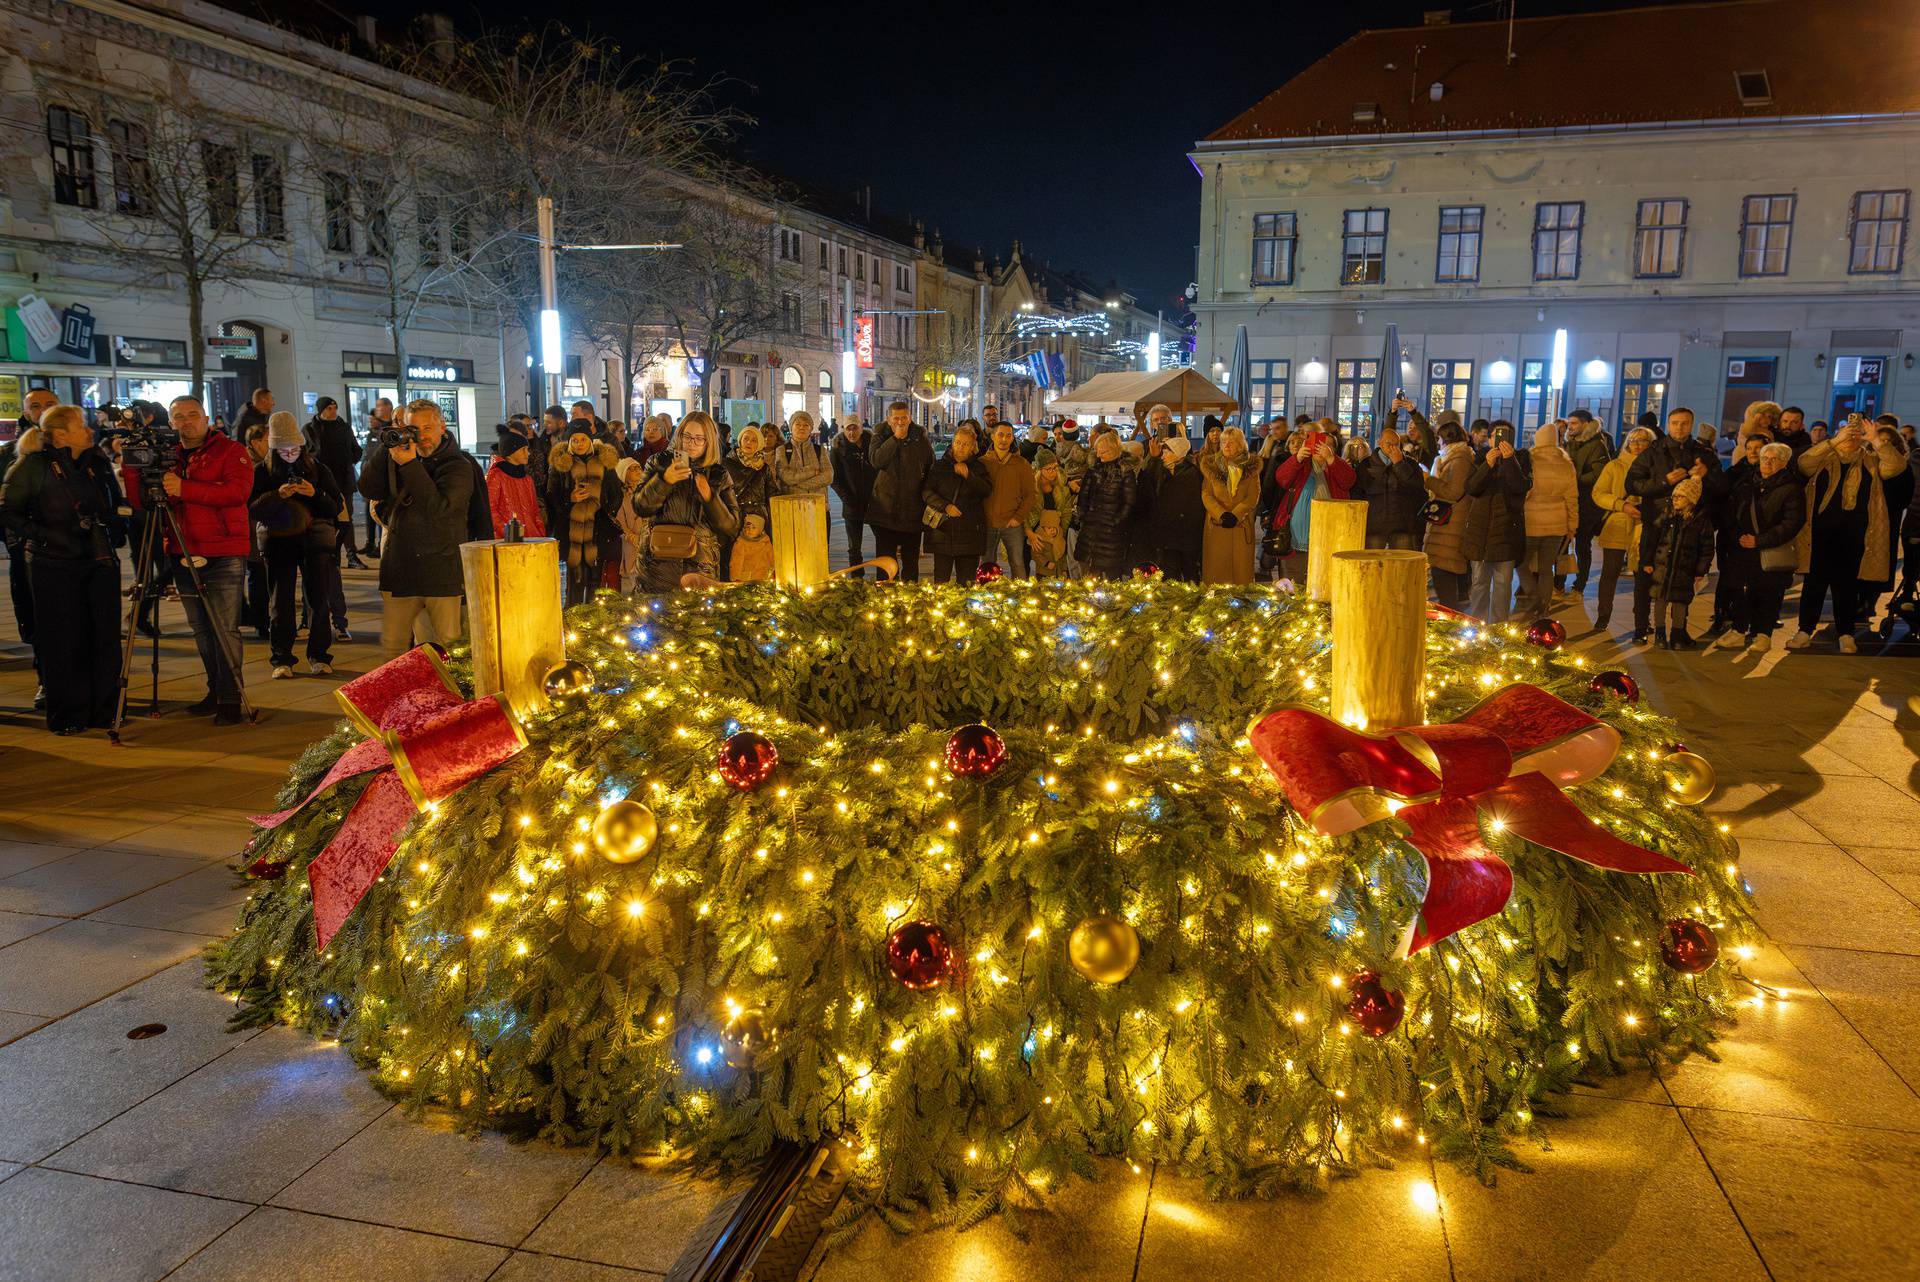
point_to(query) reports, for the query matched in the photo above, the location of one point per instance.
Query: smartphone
(680, 458)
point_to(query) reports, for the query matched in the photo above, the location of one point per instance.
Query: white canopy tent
(1129, 394)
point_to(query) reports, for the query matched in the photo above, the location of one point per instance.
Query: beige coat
(1622, 529)
(1553, 504)
(1226, 553)
(1880, 461)
(1448, 483)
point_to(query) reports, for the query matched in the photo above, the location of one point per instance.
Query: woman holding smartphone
(687, 498)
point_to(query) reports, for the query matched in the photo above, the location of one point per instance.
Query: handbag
(932, 515)
(1784, 557)
(672, 542)
(1566, 563)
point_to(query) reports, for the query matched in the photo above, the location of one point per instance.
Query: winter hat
(510, 442)
(1689, 490)
(283, 431)
(1044, 459)
(579, 427)
(1176, 447)
(625, 469)
(324, 404)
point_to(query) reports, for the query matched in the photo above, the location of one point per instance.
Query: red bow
(427, 741)
(1509, 757)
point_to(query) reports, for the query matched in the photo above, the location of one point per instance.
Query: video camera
(153, 452)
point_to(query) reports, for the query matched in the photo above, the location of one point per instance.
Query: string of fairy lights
(1131, 943)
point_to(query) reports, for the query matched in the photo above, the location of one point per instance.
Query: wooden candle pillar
(1337, 525)
(1379, 638)
(513, 607)
(799, 539)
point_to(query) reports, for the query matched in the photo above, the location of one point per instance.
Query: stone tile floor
(204, 1154)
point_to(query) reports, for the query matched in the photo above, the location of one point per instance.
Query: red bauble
(1676, 746)
(1548, 634)
(1373, 1007)
(747, 760)
(1688, 946)
(975, 751)
(918, 955)
(1146, 570)
(989, 572)
(1616, 683)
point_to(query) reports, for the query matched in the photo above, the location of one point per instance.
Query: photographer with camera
(206, 480)
(62, 505)
(420, 483)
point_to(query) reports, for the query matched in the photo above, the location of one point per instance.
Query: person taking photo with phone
(420, 483)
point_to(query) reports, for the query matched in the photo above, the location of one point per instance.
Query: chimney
(367, 29)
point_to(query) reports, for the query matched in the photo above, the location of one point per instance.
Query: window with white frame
(1879, 232)
(1459, 259)
(1660, 238)
(1267, 390)
(1273, 245)
(1766, 235)
(1556, 239)
(1354, 386)
(786, 244)
(1449, 387)
(1363, 247)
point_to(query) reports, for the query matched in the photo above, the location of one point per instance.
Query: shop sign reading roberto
(417, 373)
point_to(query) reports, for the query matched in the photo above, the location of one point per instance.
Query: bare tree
(615, 295)
(718, 289)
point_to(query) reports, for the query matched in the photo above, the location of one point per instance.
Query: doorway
(1859, 383)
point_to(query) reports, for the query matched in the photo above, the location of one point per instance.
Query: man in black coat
(901, 455)
(258, 409)
(853, 483)
(1176, 516)
(332, 441)
(1669, 461)
(423, 491)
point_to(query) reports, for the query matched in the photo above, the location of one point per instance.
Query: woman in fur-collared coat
(583, 492)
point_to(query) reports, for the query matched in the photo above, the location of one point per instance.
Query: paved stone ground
(203, 1154)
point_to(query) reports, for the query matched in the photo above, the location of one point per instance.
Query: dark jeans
(78, 639)
(20, 586)
(254, 607)
(1834, 564)
(1754, 607)
(1611, 561)
(317, 570)
(902, 545)
(1591, 519)
(856, 540)
(215, 620)
(1178, 563)
(954, 569)
(1642, 599)
(1451, 589)
(336, 586)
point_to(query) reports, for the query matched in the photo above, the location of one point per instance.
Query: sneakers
(1760, 643)
(1848, 645)
(1639, 636)
(354, 562)
(282, 671)
(1799, 641)
(1683, 640)
(39, 698)
(1729, 640)
(340, 632)
(319, 667)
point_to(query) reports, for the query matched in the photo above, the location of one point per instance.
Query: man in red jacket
(208, 493)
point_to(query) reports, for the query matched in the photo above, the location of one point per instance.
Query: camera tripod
(148, 586)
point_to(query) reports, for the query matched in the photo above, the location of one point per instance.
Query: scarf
(755, 459)
(515, 470)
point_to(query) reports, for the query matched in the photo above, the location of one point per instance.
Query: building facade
(1727, 229)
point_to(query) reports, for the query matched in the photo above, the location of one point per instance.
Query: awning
(1130, 394)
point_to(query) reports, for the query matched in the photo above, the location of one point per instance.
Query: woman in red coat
(1313, 470)
(510, 491)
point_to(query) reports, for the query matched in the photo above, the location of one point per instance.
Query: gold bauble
(624, 832)
(1104, 949)
(1689, 777)
(745, 1036)
(568, 678)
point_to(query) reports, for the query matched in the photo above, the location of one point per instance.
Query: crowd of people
(251, 528)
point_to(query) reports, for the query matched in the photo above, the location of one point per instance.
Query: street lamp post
(552, 360)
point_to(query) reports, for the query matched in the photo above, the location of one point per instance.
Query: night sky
(1063, 125)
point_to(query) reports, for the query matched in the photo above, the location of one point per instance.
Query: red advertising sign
(863, 341)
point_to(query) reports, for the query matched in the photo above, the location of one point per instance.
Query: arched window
(826, 397)
(793, 392)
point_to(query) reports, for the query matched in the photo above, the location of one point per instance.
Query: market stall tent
(1130, 394)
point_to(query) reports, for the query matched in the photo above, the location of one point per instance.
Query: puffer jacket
(588, 530)
(1682, 551)
(1448, 483)
(899, 469)
(1553, 500)
(1647, 477)
(1771, 508)
(852, 473)
(48, 493)
(966, 534)
(1395, 493)
(1176, 514)
(216, 481)
(1105, 506)
(1496, 528)
(663, 503)
(1590, 452)
(1621, 530)
(754, 487)
(424, 504)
